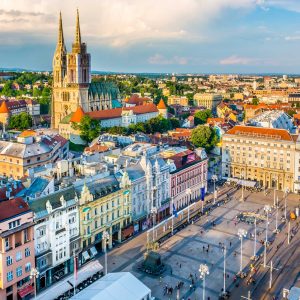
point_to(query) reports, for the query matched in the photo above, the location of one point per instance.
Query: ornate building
(72, 85)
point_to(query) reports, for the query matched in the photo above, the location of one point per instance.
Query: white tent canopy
(115, 286)
(63, 286)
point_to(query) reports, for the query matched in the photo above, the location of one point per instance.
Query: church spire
(77, 41)
(60, 41)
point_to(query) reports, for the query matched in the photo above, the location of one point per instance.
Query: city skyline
(240, 36)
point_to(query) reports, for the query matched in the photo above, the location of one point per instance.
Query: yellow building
(103, 206)
(181, 100)
(208, 100)
(268, 156)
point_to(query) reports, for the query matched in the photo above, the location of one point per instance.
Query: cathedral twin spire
(76, 46)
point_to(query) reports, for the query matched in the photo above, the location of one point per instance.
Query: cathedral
(72, 86)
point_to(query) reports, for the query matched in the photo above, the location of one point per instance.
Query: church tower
(71, 76)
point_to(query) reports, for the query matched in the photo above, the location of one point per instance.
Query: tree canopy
(205, 137)
(21, 121)
(201, 116)
(89, 128)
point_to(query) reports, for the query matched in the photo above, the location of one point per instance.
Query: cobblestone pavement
(186, 250)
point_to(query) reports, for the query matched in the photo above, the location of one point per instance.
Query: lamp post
(242, 233)
(242, 182)
(203, 270)
(214, 178)
(189, 194)
(105, 238)
(289, 232)
(153, 212)
(224, 279)
(255, 237)
(276, 220)
(267, 210)
(34, 274)
(274, 202)
(285, 198)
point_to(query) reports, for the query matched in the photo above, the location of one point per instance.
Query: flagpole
(75, 271)
(172, 214)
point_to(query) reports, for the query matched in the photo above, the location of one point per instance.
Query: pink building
(16, 249)
(188, 177)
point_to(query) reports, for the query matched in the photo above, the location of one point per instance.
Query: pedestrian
(203, 248)
(180, 266)
(171, 272)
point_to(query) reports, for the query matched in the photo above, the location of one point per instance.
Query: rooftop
(260, 132)
(11, 208)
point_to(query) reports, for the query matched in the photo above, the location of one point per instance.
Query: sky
(175, 36)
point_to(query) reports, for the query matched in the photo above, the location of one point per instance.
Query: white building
(56, 234)
(125, 116)
(116, 286)
(273, 119)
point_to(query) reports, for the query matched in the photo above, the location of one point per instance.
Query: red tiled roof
(135, 99)
(10, 208)
(272, 133)
(77, 115)
(13, 192)
(96, 148)
(27, 133)
(117, 112)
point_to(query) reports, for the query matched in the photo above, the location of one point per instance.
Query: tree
(21, 121)
(255, 101)
(174, 123)
(89, 128)
(205, 137)
(159, 124)
(291, 112)
(201, 116)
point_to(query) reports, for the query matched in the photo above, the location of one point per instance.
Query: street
(187, 249)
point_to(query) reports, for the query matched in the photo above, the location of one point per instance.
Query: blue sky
(197, 36)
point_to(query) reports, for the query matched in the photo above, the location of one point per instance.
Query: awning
(93, 251)
(126, 192)
(85, 255)
(63, 286)
(25, 291)
(127, 231)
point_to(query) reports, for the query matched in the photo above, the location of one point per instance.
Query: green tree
(174, 123)
(89, 128)
(21, 121)
(205, 137)
(291, 112)
(255, 101)
(201, 116)
(159, 124)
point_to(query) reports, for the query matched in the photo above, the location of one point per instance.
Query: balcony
(87, 235)
(18, 244)
(86, 222)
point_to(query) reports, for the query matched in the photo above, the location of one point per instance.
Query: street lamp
(242, 233)
(287, 190)
(105, 238)
(189, 193)
(203, 270)
(214, 178)
(254, 257)
(153, 212)
(34, 274)
(267, 210)
(224, 279)
(274, 191)
(242, 182)
(276, 219)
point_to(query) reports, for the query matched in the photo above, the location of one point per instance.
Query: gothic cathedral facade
(72, 87)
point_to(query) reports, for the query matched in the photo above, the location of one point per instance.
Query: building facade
(30, 150)
(17, 249)
(72, 86)
(188, 172)
(56, 234)
(103, 206)
(268, 156)
(208, 100)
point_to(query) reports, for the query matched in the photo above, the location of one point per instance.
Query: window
(9, 276)
(19, 271)
(27, 252)
(96, 212)
(9, 260)
(27, 267)
(18, 256)
(6, 243)
(26, 237)
(14, 224)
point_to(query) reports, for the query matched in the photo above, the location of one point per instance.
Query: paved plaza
(187, 249)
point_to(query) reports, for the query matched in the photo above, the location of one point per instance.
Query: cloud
(292, 38)
(118, 23)
(159, 59)
(237, 60)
